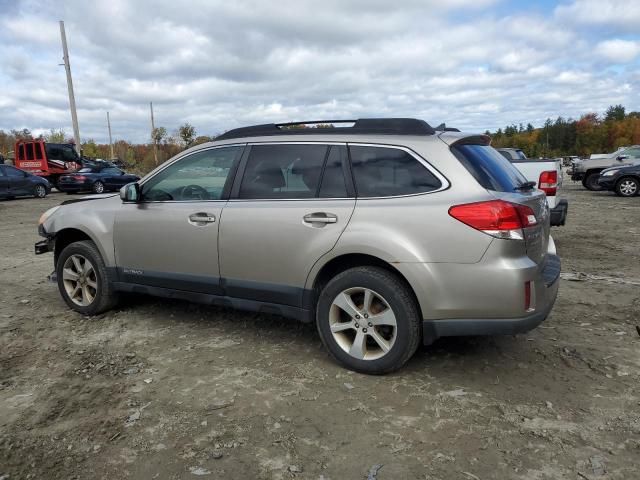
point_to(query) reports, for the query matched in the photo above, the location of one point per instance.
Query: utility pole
(110, 141)
(72, 99)
(153, 136)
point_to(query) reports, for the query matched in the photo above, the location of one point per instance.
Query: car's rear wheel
(82, 279)
(39, 191)
(98, 187)
(627, 187)
(590, 182)
(368, 320)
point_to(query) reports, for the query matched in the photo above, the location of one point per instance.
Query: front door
(170, 238)
(289, 205)
(19, 183)
(114, 178)
(4, 183)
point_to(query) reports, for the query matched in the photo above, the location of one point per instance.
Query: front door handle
(320, 217)
(202, 217)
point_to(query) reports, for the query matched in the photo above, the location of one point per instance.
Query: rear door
(289, 205)
(503, 180)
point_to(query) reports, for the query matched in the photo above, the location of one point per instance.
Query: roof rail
(380, 126)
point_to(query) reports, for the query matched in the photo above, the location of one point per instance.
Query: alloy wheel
(80, 280)
(362, 323)
(40, 191)
(98, 187)
(628, 188)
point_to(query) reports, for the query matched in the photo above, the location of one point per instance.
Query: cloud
(623, 14)
(220, 64)
(617, 50)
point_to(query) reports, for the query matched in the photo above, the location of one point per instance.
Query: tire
(98, 187)
(39, 191)
(590, 182)
(627, 187)
(355, 344)
(71, 261)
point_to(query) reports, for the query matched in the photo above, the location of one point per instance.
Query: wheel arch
(324, 272)
(67, 236)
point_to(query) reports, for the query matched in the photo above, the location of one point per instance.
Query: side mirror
(130, 193)
(620, 158)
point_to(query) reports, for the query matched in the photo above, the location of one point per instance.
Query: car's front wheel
(98, 187)
(368, 320)
(82, 279)
(39, 191)
(627, 187)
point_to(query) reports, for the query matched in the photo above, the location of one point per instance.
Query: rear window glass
(387, 172)
(489, 168)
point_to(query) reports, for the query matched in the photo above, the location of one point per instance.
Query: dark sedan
(625, 181)
(97, 179)
(18, 183)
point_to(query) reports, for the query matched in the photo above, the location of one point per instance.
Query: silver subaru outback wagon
(385, 233)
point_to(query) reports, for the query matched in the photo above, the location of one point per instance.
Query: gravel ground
(165, 389)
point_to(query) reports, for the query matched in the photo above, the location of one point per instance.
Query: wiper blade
(526, 186)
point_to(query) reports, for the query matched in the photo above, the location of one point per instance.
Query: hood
(89, 198)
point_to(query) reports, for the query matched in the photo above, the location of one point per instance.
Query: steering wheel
(193, 192)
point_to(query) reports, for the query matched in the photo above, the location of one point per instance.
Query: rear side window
(387, 172)
(488, 167)
(283, 171)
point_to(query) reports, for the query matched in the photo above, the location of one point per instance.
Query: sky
(474, 64)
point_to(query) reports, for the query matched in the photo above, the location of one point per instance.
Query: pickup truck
(588, 170)
(547, 174)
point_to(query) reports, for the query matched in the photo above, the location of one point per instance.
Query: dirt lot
(164, 389)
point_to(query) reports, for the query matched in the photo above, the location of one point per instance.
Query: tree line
(591, 133)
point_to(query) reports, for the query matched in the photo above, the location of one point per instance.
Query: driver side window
(200, 176)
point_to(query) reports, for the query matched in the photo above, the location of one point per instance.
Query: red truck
(48, 160)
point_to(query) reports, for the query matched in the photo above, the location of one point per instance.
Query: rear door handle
(202, 217)
(320, 217)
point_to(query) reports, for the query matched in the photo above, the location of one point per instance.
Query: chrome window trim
(443, 180)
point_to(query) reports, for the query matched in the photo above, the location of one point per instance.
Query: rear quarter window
(488, 167)
(388, 172)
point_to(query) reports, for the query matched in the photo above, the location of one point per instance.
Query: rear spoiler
(472, 140)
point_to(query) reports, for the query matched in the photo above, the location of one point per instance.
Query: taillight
(79, 177)
(548, 182)
(497, 218)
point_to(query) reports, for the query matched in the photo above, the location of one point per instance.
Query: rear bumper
(546, 291)
(559, 213)
(73, 187)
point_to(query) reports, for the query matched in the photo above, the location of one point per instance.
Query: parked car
(546, 174)
(98, 179)
(18, 183)
(625, 181)
(386, 233)
(588, 171)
